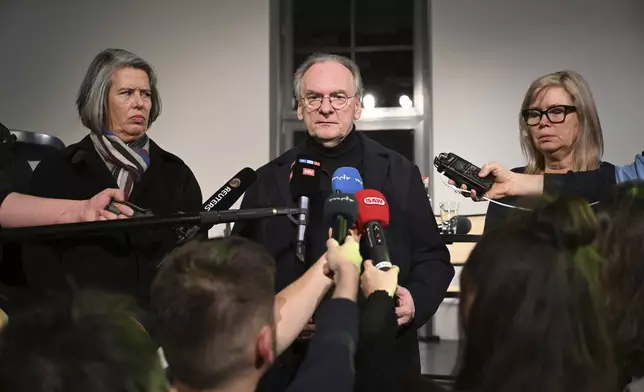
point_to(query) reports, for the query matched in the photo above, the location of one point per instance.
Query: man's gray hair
(93, 94)
(322, 58)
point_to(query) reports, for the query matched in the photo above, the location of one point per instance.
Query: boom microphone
(200, 219)
(305, 184)
(228, 194)
(221, 200)
(373, 218)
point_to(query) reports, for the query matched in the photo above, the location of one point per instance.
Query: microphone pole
(173, 220)
(302, 221)
(304, 184)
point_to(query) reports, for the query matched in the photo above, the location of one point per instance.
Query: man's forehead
(328, 77)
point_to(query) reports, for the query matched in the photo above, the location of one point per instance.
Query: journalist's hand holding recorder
(491, 181)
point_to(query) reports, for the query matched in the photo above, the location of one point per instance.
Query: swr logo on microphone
(308, 172)
(372, 200)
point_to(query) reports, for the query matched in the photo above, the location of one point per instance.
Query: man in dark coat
(328, 89)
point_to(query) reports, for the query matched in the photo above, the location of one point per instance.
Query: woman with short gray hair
(118, 101)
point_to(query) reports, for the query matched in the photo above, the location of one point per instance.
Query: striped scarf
(127, 163)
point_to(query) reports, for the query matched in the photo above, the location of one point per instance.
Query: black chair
(19, 148)
(33, 146)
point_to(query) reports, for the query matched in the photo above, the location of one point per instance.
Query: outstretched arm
(295, 305)
(19, 210)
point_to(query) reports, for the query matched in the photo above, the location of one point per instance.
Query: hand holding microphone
(373, 219)
(373, 279)
(342, 256)
(340, 211)
(343, 264)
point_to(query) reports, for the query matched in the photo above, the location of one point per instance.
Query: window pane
(388, 76)
(399, 140)
(384, 22)
(299, 58)
(321, 25)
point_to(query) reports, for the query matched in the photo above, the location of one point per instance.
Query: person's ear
(265, 347)
(357, 112)
(300, 114)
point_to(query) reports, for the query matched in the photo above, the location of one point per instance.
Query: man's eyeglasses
(338, 101)
(555, 114)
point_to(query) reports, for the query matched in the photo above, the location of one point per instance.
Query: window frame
(284, 122)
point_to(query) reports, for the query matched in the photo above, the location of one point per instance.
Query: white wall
(486, 54)
(211, 57)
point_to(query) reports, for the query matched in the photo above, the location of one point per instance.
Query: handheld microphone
(304, 185)
(463, 224)
(341, 210)
(373, 218)
(346, 179)
(223, 199)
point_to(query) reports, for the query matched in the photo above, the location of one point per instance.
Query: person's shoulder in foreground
(102, 329)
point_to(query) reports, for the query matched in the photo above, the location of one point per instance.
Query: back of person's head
(589, 145)
(622, 244)
(215, 317)
(530, 309)
(84, 342)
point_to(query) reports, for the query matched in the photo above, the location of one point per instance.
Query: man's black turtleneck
(348, 153)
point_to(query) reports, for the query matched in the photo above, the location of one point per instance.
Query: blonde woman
(559, 132)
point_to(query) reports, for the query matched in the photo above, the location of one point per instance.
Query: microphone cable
(467, 192)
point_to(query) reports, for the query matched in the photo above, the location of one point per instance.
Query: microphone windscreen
(346, 179)
(463, 225)
(342, 204)
(305, 178)
(372, 206)
(231, 191)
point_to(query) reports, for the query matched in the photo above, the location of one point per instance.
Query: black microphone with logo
(341, 212)
(221, 200)
(305, 185)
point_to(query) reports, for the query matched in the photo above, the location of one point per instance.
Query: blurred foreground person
(531, 307)
(622, 218)
(221, 327)
(86, 342)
